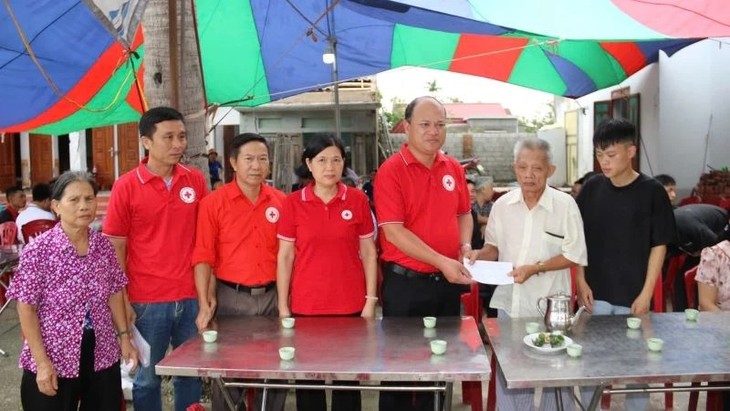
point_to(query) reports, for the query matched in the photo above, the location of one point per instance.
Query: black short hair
(470, 181)
(243, 139)
(65, 179)
(149, 120)
(315, 146)
(666, 180)
(412, 106)
(42, 192)
(585, 177)
(613, 131)
(12, 190)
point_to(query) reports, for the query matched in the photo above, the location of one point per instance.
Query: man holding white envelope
(540, 231)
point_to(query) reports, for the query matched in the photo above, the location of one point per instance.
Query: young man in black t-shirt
(628, 222)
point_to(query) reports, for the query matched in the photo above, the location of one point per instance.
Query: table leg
(437, 401)
(263, 399)
(448, 396)
(226, 394)
(559, 399)
(596, 399)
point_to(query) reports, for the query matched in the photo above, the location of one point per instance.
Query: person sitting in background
(69, 288)
(38, 209)
(214, 166)
(713, 276)
(669, 184)
(579, 183)
(482, 204)
(15, 201)
(698, 226)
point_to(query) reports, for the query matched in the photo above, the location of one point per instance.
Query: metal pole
(335, 79)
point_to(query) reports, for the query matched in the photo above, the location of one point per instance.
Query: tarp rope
(48, 78)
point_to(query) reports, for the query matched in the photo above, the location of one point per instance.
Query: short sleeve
(708, 271)
(663, 224)
(574, 242)
(464, 206)
(389, 207)
(28, 281)
(493, 227)
(118, 211)
(206, 231)
(117, 279)
(366, 227)
(286, 229)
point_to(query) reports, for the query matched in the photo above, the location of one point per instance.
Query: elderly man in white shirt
(539, 229)
(38, 209)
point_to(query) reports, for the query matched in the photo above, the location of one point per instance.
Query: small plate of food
(547, 343)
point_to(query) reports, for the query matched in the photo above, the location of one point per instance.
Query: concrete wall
(292, 122)
(494, 150)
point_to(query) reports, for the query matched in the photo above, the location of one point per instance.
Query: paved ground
(10, 378)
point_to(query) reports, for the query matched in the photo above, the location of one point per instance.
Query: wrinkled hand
(368, 311)
(472, 256)
(47, 379)
(129, 353)
(585, 296)
(522, 273)
(205, 314)
(640, 306)
(455, 272)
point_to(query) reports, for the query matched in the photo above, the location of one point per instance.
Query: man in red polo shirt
(422, 205)
(151, 222)
(236, 240)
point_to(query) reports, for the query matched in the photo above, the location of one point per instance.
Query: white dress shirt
(523, 236)
(31, 213)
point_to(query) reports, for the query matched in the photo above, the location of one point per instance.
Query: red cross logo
(272, 214)
(346, 215)
(187, 195)
(448, 182)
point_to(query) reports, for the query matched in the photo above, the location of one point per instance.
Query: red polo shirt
(237, 237)
(426, 201)
(328, 276)
(159, 226)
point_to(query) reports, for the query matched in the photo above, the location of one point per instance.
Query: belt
(256, 290)
(408, 273)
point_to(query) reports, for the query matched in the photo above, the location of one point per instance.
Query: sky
(408, 83)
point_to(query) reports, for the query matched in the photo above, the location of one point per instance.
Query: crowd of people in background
(174, 259)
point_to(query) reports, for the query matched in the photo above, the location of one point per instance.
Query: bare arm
(585, 294)
(369, 256)
(120, 248)
(206, 305)
(641, 304)
(47, 377)
(119, 316)
(482, 219)
(284, 267)
(524, 272)
(707, 297)
(414, 247)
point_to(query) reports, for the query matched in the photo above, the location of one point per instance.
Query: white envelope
(490, 272)
(142, 346)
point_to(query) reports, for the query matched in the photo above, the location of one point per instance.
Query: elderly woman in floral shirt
(713, 276)
(68, 288)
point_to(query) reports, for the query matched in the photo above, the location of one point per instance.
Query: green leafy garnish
(552, 339)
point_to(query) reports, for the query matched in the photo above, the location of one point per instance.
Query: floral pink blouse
(714, 270)
(63, 286)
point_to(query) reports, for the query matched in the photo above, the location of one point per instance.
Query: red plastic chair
(31, 229)
(690, 286)
(693, 199)
(8, 233)
(675, 264)
(471, 391)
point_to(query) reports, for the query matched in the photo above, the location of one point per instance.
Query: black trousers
(416, 297)
(91, 391)
(316, 400)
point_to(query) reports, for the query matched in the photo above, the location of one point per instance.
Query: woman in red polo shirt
(327, 226)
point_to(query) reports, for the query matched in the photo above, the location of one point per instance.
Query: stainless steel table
(330, 349)
(9, 257)
(613, 354)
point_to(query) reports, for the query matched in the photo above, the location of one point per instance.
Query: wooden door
(102, 155)
(41, 158)
(7, 160)
(128, 137)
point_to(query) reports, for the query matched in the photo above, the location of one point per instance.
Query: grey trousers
(234, 304)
